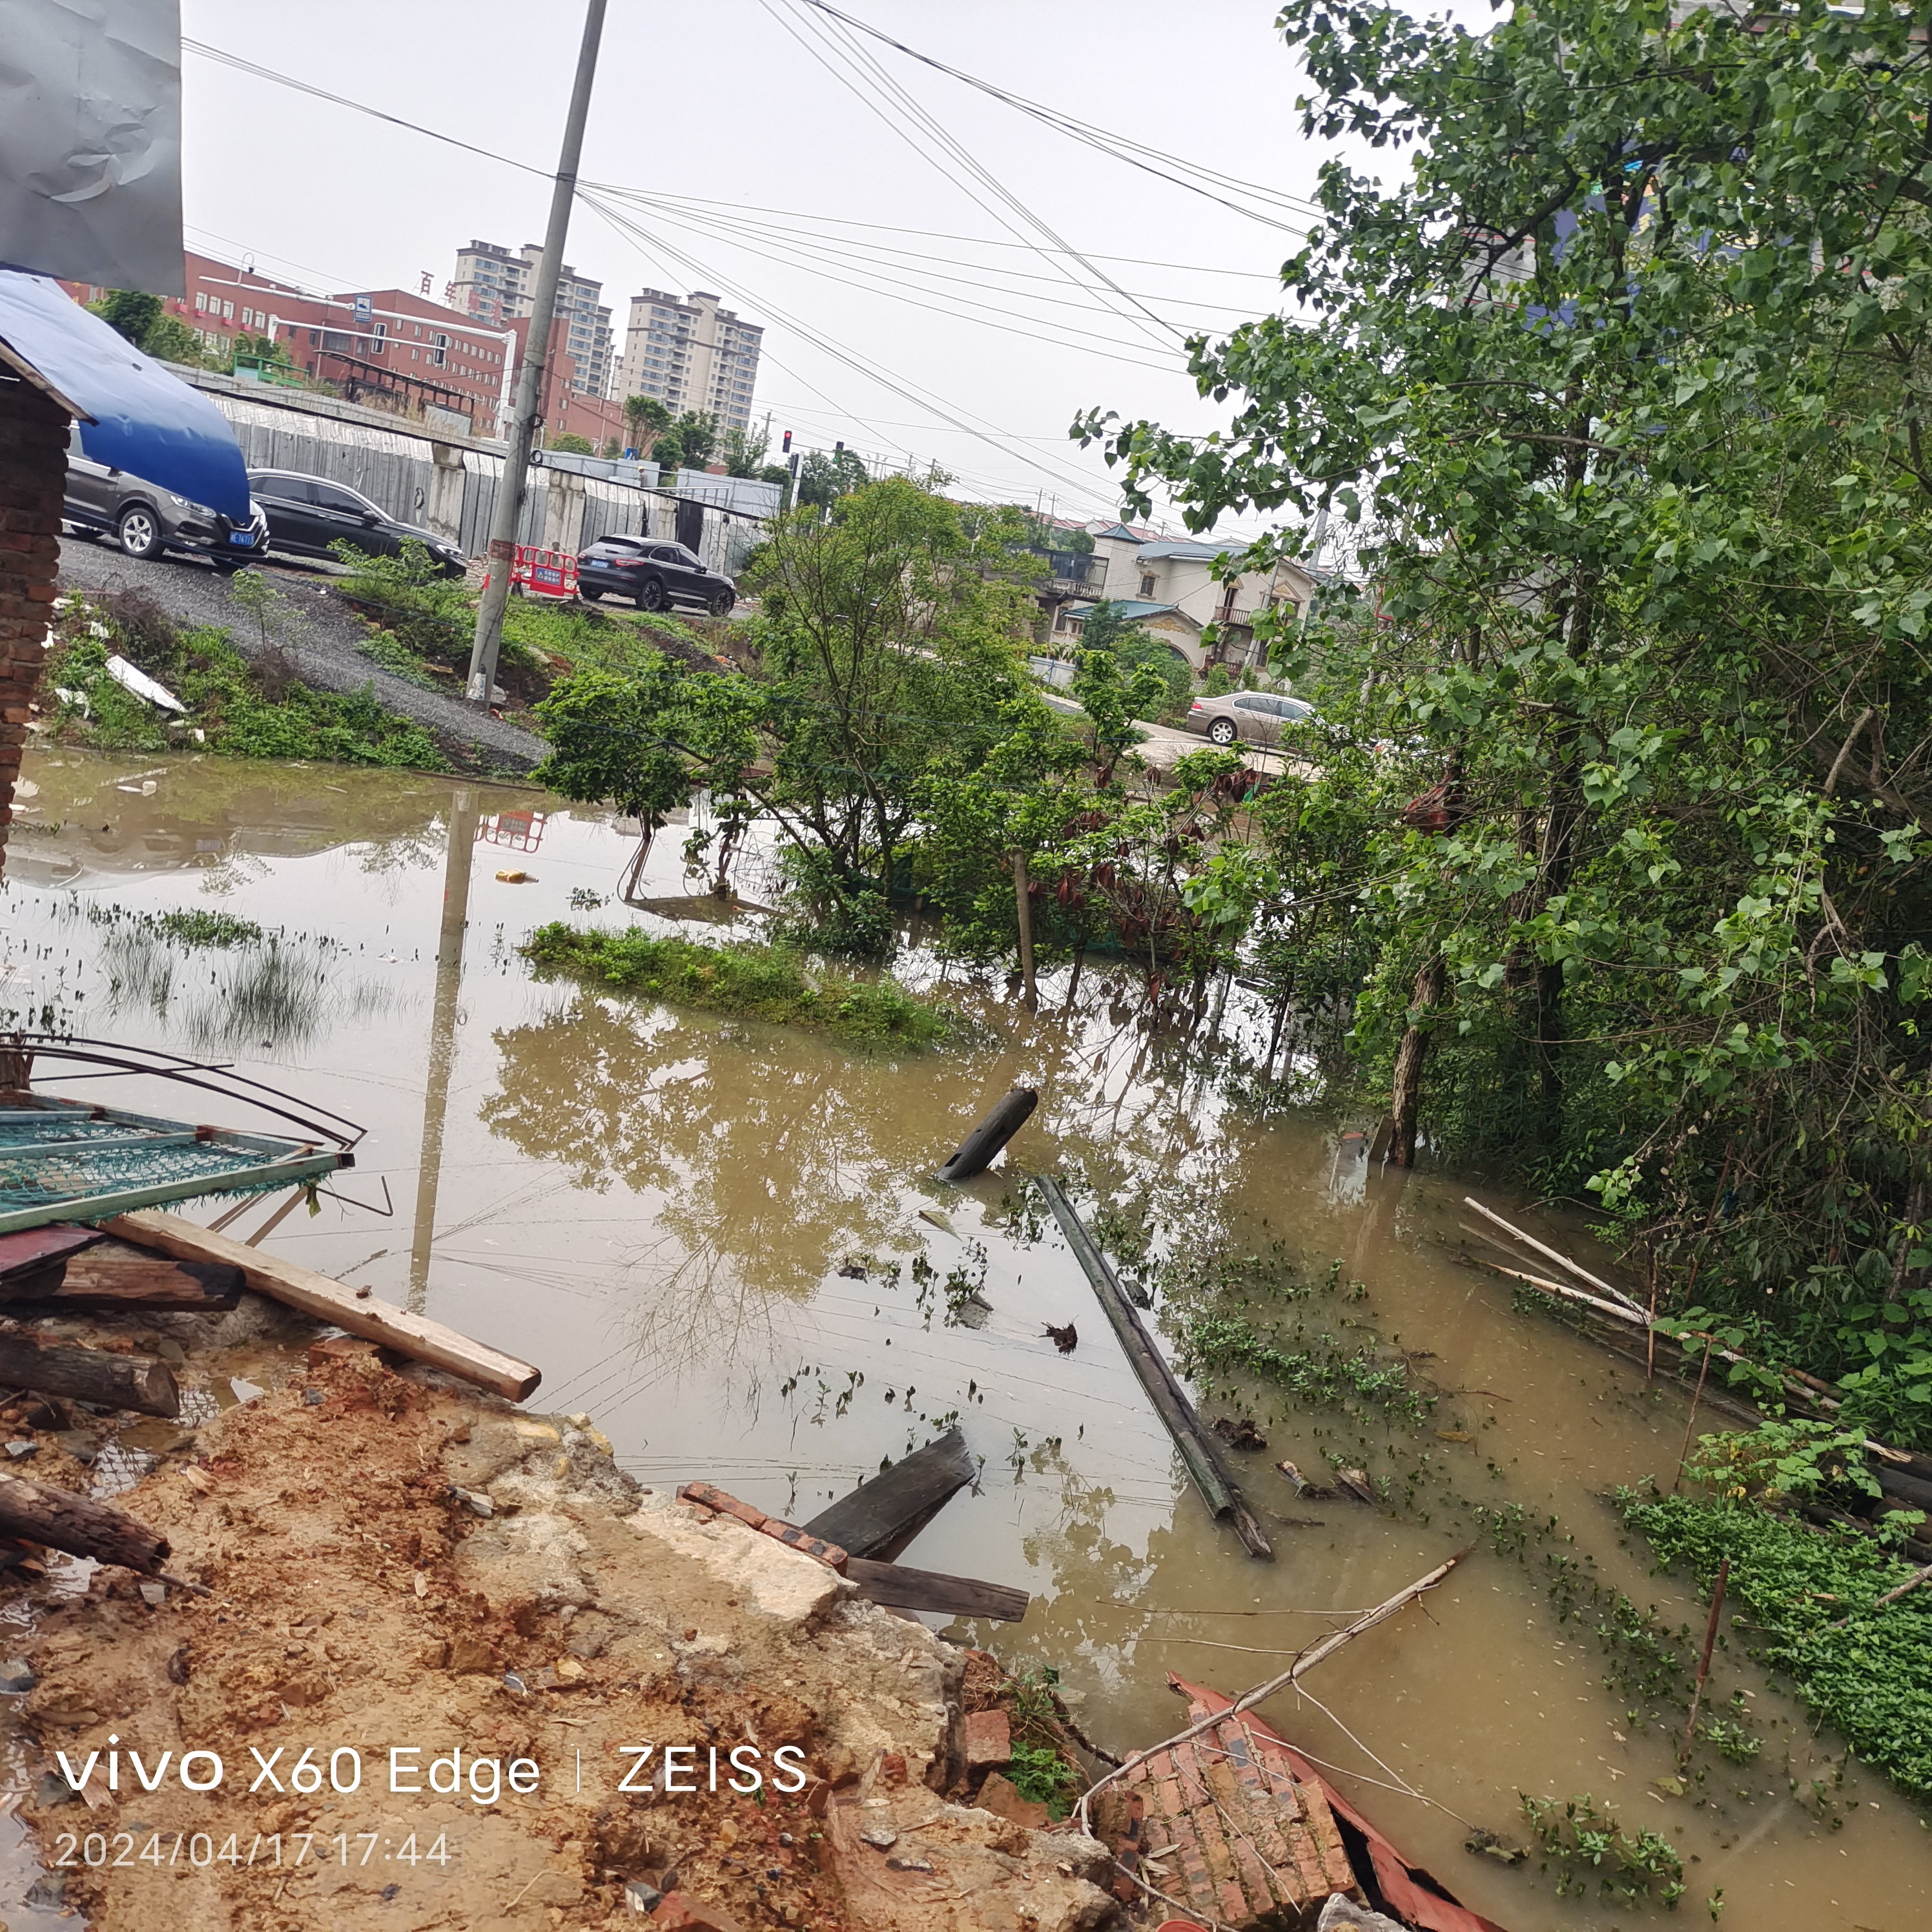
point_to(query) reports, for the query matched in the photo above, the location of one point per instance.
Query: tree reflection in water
(774, 1158)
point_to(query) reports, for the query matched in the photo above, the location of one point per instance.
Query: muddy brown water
(654, 1206)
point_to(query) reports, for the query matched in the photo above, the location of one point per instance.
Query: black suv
(148, 521)
(307, 513)
(653, 575)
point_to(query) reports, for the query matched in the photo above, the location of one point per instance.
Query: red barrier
(544, 573)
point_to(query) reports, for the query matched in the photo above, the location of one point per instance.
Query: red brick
(989, 1739)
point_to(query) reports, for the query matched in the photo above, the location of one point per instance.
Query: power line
(1119, 146)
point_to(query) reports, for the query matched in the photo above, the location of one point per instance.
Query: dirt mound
(457, 1670)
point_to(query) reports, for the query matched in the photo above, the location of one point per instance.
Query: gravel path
(317, 636)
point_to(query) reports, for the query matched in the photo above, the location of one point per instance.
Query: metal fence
(451, 488)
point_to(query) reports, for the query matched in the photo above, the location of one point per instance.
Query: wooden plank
(114, 1278)
(137, 1382)
(286, 1281)
(897, 1588)
(34, 1249)
(882, 1516)
(1170, 1400)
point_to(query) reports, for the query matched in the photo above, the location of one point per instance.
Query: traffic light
(785, 450)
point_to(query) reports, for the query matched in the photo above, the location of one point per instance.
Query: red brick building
(389, 347)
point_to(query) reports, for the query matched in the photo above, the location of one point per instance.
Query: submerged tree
(1621, 386)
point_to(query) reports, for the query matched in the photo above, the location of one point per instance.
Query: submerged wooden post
(1211, 1476)
(976, 1152)
(1023, 909)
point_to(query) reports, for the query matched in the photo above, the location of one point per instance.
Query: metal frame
(326, 1142)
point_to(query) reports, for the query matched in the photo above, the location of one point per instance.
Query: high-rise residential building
(691, 355)
(495, 286)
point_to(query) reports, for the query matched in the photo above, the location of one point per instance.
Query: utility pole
(509, 504)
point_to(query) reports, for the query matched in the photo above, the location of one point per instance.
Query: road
(314, 633)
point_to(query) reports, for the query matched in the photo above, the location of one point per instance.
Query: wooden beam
(114, 1278)
(63, 1520)
(138, 1382)
(329, 1300)
(882, 1515)
(897, 1587)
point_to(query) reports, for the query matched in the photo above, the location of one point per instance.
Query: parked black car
(147, 520)
(653, 575)
(307, 513)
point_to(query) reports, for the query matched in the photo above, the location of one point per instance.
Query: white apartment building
(493, 285)
(690, 354)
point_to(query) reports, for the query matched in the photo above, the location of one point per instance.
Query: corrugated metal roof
(1187, 551)
(1133, 608)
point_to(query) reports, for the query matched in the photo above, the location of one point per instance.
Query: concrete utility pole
(509, 504)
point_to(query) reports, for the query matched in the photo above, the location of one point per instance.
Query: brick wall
(33, 476)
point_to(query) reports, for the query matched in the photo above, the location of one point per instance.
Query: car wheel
(720, 604)
(653, 597)
(1222, 731)
(139, 531)
(589, 592)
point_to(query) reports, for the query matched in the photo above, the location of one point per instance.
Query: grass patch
(241, 710)
(1872, 1679)
(1319, 1370)
(747, 980)
(199, 926)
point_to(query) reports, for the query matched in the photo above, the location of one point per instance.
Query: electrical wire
(892, 98)
(1119, 146)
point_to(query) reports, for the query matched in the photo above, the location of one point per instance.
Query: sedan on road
(1257, 716)
(307, 513)
(148, 521)
(653, 575)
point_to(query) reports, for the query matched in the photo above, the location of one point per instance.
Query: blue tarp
(134, 415)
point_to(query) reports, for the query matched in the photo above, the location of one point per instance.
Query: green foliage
(1867, 1671)
(743, 450)
(645, 419)
(1611, 377)
(1039, 1773)
(752, 981)
(197, 926)
(1586, 1843)
(129, 312)
(170, 339)
(1114, 692)
(1318, 1371)
(609, 742)
(572, 444)
(826, 476)
(242, 710)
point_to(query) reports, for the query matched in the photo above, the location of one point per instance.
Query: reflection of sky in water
(653, 1206)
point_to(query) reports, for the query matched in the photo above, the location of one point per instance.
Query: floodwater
(656, 1207)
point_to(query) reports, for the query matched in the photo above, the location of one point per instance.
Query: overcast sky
(724, 102)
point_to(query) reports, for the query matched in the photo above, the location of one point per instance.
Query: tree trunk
(1023, 907)
(78, 1525)
(1902, 1271)
(89, 1375)
(1405, 1092)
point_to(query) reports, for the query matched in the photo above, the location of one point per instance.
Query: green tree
(570, 441)
(1115, 693)
(610, 741)
(129, 312)
(1618, 390)
(696, 434)
(743, 450)
(825, 475)
(645, 419)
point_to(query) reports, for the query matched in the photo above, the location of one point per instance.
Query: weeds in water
(1811, 1598)
(746, 980)
(1585, 1843)
(1319, 1370)
(198, 925)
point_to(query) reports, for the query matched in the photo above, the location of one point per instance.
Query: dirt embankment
(422, 1715)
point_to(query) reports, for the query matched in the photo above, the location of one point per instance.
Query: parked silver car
(1257, 716)
(147, 520)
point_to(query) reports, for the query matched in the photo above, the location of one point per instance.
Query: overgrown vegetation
(244, 708)
(746, 980)
(1810, 1596)
(1612, 379)
(1588, 1846)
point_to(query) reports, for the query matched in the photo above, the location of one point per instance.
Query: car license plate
(242, 537)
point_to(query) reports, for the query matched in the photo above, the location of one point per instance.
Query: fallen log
(897, 1587)
(882, 1516)
(1170, 1403)
(976, 1152)
(114, 1278)
(328, 1300)
(78, 1525)
(137, 1382)
(1320, 1653)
